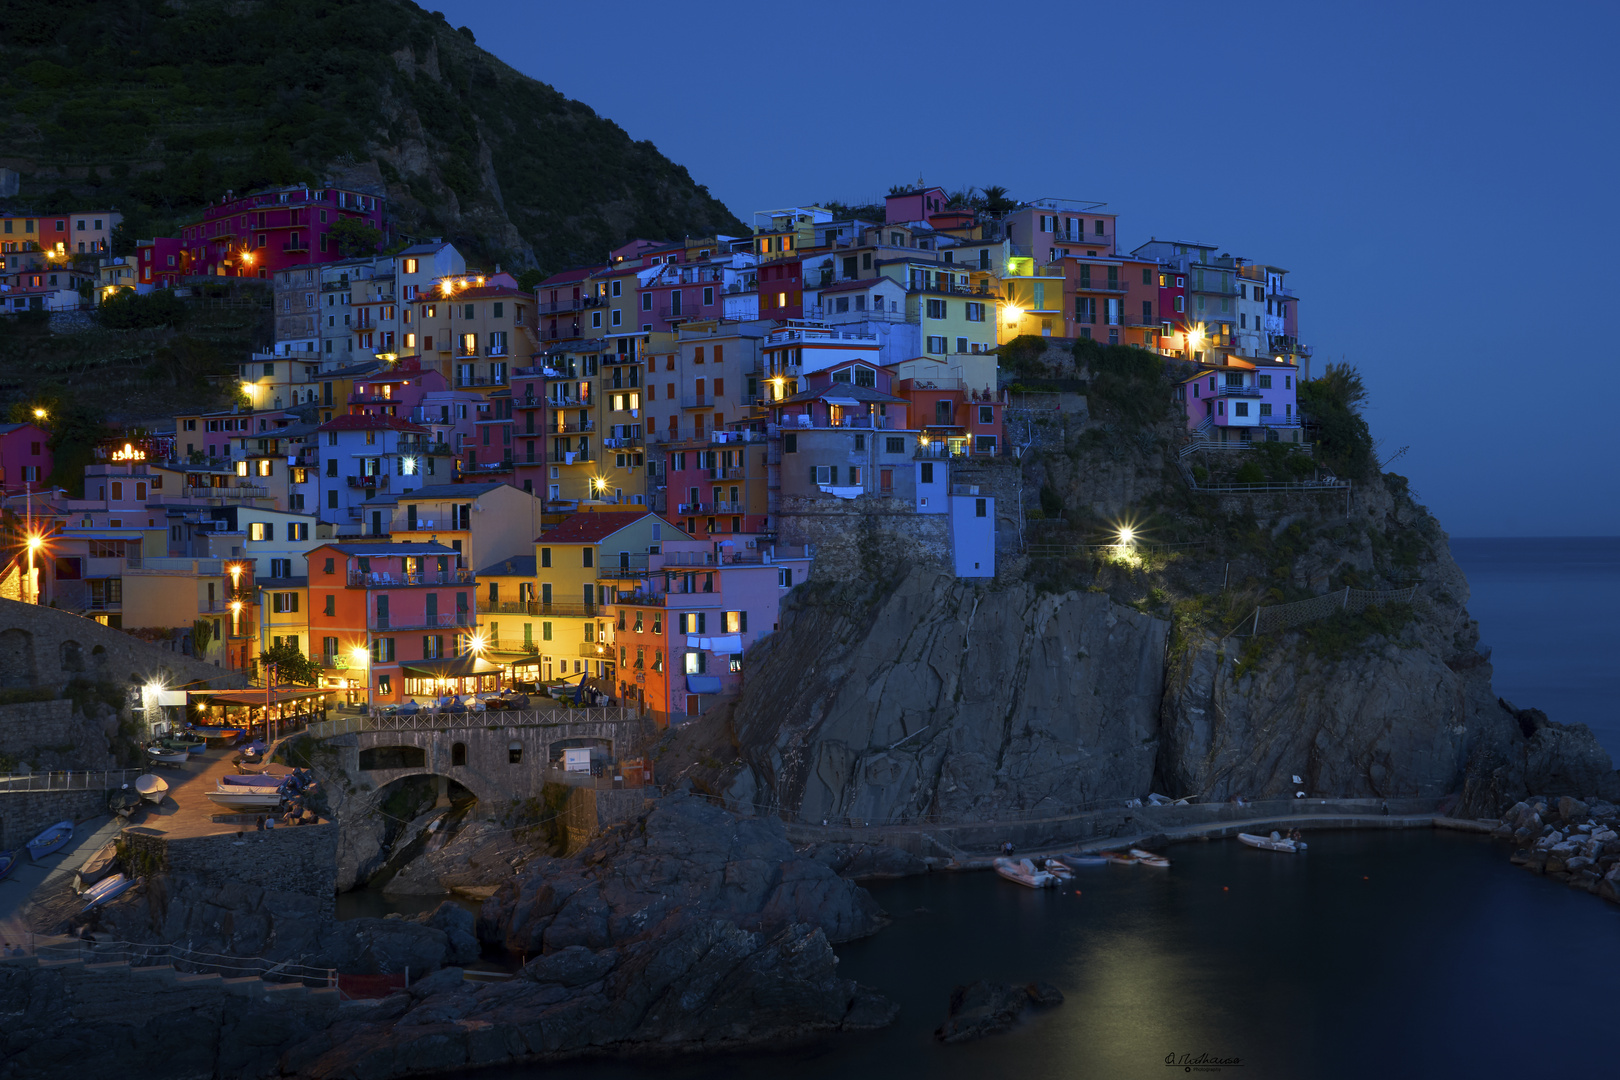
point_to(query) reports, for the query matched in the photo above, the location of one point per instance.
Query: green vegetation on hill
(154, 107)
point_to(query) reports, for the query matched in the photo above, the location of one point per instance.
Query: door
(545, 594)
(382, 611)
(376, 523)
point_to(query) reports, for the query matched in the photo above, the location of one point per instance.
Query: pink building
(25, 458)
(1240, 401)
(396, 391)
(258, 234)
(162, 262)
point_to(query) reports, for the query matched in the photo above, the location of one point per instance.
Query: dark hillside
(154, 106)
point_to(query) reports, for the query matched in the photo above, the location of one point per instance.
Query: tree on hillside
(1332, 403)
(354, 237)
(74, 434)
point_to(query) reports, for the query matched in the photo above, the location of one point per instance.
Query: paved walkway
(34, 880)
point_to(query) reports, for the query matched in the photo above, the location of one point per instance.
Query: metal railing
(189, 961)
(539, 609)
(69, 780)
(383, 578)
(447, 621)
(1355, 601)
(432, 719)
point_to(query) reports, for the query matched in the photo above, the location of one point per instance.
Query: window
(975, 312)
(936, 309)
(1181, 303)
(588, 556)
(987, 414)
(935, 345)
(261, 530)
(1265, 408)
(736, 622)
(410, 266)
(790, 443)
(1264, 382)
(596, 320)
(1240, 408)
(895, 444)
(784, 578)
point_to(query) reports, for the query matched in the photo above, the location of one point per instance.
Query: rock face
(984, 1008)
(689, 928)
(948, 699)
(684, 855)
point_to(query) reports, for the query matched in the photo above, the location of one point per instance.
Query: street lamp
(40, 414)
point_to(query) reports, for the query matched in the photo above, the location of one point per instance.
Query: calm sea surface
(1398, 954)
(1548, 608)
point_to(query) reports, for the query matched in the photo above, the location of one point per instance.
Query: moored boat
(152, 787)
(251, 783)
(190, 745)
(246, 798)
(1148, 858)
(1119, 858)
(117, 885)
(1275, 842)
(50, 841)
(123, 801)
(99, 865)
(162, 755)
(1024, 872)
(1057, 869)
(1074, 862)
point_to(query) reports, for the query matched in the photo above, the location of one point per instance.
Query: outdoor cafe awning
(452, 667)
(280, 695)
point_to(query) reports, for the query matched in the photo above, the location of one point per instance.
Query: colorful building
(257, 234)
(25, 458)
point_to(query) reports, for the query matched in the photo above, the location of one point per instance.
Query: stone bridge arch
(496, 762)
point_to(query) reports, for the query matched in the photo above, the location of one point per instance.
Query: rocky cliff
(1093, 671)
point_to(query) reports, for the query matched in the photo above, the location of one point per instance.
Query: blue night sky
(1429, 173)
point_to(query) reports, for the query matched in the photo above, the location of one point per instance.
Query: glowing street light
(477, 643)
(1013, 313)
(1126, 535)
(40, 414)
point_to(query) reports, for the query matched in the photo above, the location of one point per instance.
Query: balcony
(1279, 421)
(1215, 288)
(568, 427)
(540, 609)
(696, 508)
(1238, 391)
(361, 397)
(700, 401)
(724, 507)
(464, 381)
(672, 312)
(461, 619)
(617, 569)
(384, 579)
(1085, 284)
(557, 307)
(369, 483)
(572, 457)
(621, 442)
(484, 468)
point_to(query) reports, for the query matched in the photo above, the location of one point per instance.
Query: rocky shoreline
(1567, 840)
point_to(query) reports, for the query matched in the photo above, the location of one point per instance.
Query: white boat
(1119, 858)
(1147, 858)
(152, 788)
(1275, 842)
(116, 885)
(99, 865)
(164, 756)
(1024, 873)
(240, 798)
(1058, 870)
(1077, 861)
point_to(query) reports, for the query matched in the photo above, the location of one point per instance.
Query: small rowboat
(1275, 842)
(164, 756)
(152, 788)
(50, 841)
(252, 783)
(8, 863)
(1058, 870)
(1119, 858)
(246, 799)
(247, 767)
(97, 866)
(117, 885)
(1025, 873)
(1148, 858)
(1074, 862)
(181, 742)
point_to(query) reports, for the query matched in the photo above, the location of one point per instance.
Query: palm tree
(997, 200)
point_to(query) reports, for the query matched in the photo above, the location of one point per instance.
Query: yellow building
(582, 567)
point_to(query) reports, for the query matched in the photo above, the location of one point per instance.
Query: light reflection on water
(1378, 953)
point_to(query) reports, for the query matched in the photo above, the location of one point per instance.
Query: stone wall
(41, 646)
(30, 724)
(23, 814)
(866, 538)
(301, 859)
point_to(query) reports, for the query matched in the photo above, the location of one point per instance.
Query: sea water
(1413, 953)
(1548, 609)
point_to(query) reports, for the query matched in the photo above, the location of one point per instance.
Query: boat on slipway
(1275, 842)
(99, 894)
(162, 755)
(1026, 873)
(99, 865)
(152, 788)
(246, 798)
(1148, 858)
(50, 841)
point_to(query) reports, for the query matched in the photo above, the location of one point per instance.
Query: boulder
(984, 1008)
(1571, 809)
(460, 928)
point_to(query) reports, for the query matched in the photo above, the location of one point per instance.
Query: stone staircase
(80, 962)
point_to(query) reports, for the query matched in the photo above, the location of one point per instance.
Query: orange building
(377, 609)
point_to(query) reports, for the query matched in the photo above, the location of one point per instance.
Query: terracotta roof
(592, 526)
(361, 423)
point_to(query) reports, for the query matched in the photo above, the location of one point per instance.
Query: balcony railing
(1238, 391)
(369, 482)
(504, 465)
(696, 508)
(554, 307)
(390, 621)
(572, 457)
(698, 401)
(568, 427)
(1279, 421)
(1086, 284)
(383, 579)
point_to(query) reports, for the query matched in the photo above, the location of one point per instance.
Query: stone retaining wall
(30, 724)
(297, 859)
(41, 646)
(24, 814)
